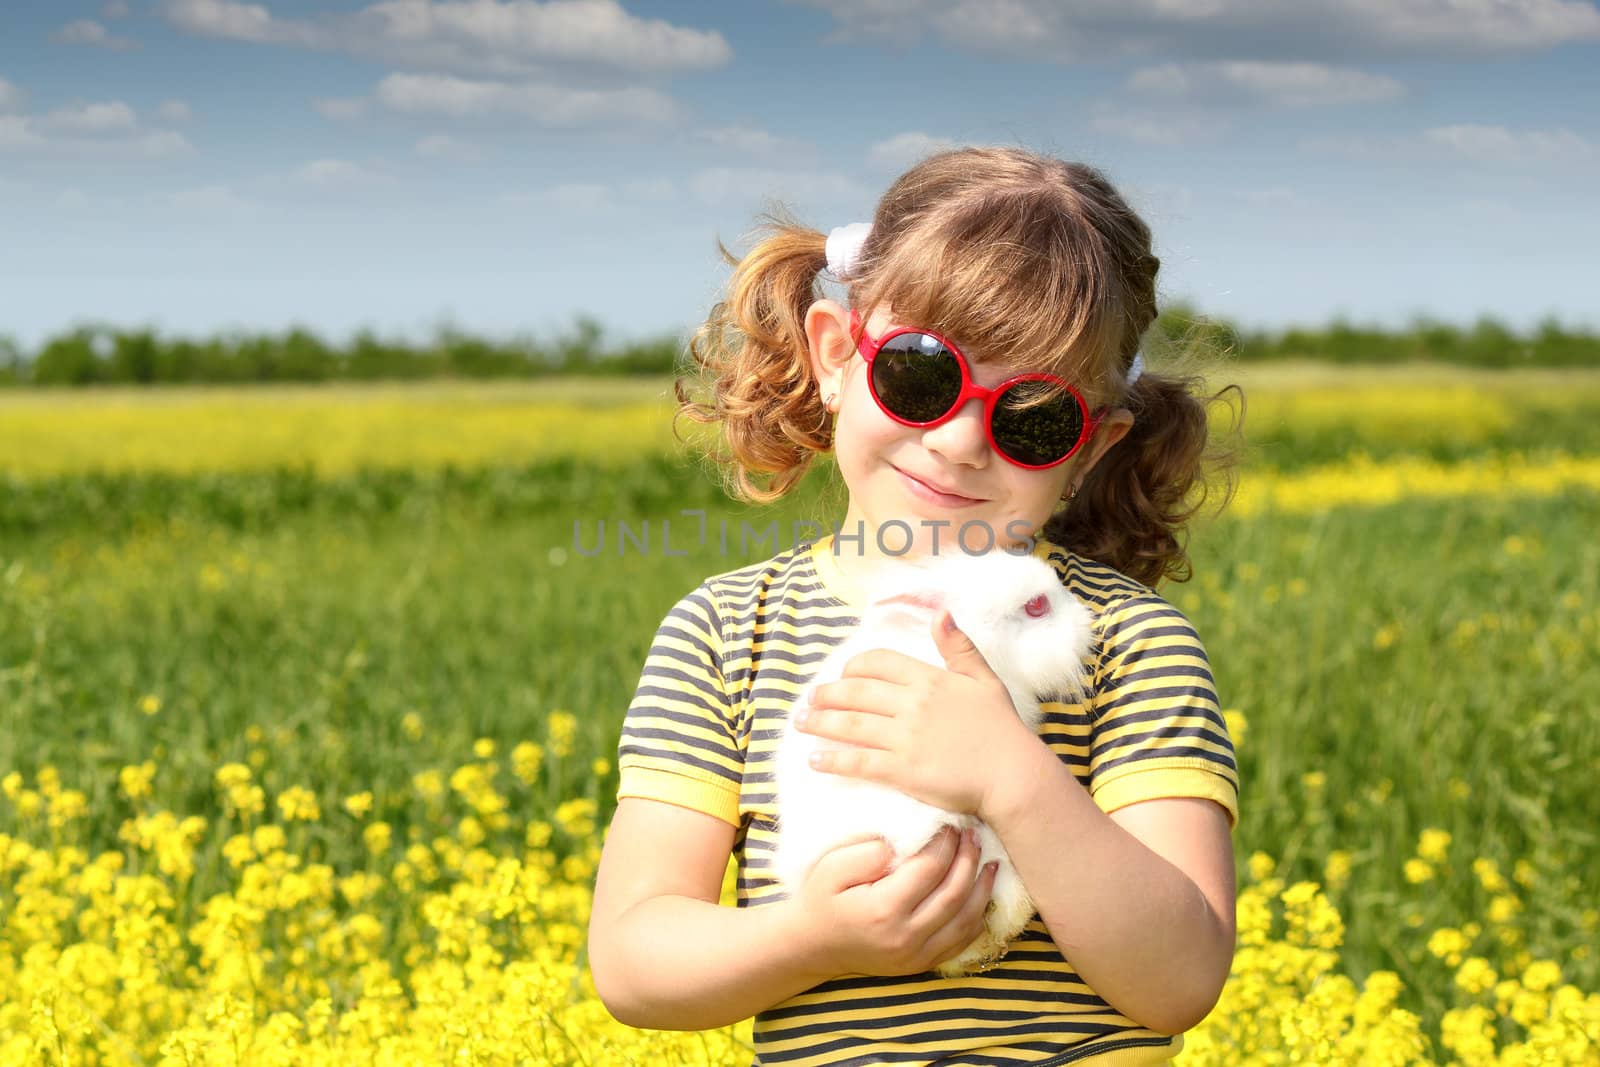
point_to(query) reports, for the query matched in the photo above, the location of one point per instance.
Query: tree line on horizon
(104, 355)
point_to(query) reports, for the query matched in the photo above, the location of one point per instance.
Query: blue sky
(506, 165)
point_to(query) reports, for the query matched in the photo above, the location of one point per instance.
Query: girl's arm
(1140, 901)
(665, 955)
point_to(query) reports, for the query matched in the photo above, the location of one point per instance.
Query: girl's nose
(961, 439)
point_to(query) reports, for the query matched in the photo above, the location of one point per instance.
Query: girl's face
(922, 488)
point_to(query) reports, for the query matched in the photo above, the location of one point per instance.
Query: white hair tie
(1135, 368)
(844, 256)
(844, 248)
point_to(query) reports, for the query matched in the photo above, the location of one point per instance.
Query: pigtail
(1134, 506)
(750, 362)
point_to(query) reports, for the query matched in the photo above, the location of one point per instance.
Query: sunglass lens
(916, 377)
(1034, 430)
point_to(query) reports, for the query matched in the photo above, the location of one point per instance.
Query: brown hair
(1034, 262)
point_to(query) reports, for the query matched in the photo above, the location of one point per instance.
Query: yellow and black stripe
(725, 666)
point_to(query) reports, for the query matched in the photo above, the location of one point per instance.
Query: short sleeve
(679, 739)
(1158, 731)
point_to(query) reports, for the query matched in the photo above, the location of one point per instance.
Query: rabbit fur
(1033, 653)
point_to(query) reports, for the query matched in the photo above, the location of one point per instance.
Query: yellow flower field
(462, 942)
(282, 785)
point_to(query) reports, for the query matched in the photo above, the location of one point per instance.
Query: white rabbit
(1034, 636)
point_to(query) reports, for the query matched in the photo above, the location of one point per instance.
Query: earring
(1072, 493)
(828, 402)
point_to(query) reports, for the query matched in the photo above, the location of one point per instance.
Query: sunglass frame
(869, 347)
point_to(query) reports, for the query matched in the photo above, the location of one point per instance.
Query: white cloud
(443, 146)
(1165, 128)
(17, 136)
(90, 32)
(174, 111)
(578, 196)
(87, 133)
(1097, 29)
(212, 200)
(11, 98)
(903, 149)
(493, 37)
(340, 110)
(505, 36)
(724, 185)
(1275, 198)
(109, 117)
(162, 143)
(1274, 84)
(750, 141)
(116, 9)
(650, 190)
(593, 197)
(546, 105)
(1499, 145)
(240, 22)
(337, 174)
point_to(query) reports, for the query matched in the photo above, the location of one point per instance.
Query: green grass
(1433, 661)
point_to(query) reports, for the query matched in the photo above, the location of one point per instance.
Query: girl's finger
(873, 764)
(851, 727)
(946, 899)
(888, 665)
(871, 695)
(918, 875)
(968, 923)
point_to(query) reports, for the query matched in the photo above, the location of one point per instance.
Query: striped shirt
(722, 671)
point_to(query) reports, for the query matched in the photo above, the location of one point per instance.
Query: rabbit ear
(930, 600)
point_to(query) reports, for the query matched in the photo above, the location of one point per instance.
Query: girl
(980, 265)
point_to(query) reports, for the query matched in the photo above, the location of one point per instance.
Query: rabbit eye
(1038, 607)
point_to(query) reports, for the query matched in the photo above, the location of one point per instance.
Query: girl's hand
(925, 911)
(944, 736)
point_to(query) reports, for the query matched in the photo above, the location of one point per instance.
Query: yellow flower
(483, 747)
(297, 802)
(1336, 869)
(135, 780)
(429, 783)
(576, 817)
(1541, 975)
(1386, 636)
(1476, 976)
(377, 837)
(230, 775)
(1237, 724)
(1448, 944)
(1503, 908)
(358, 804)
(150, 704)
(526, 760)
(1314, 781)
(1489, 876)
(238, 850)
(560, 730)
(1418, 871)
(1434, 845)
(600, 767)
(11, 785)
(411, 726)
(268, 839)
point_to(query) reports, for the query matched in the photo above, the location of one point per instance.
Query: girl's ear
(831, 346)
(1117, 422)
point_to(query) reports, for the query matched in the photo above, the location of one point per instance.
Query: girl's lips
(929, 493)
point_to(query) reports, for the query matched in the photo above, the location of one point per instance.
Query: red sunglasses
(921, 379)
